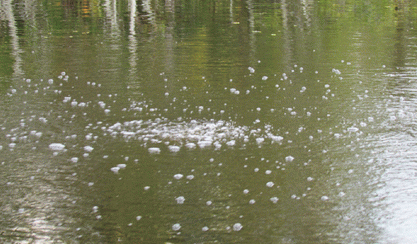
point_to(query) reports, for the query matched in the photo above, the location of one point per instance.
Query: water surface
(207, 121)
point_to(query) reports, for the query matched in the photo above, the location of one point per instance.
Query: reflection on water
(200, 122)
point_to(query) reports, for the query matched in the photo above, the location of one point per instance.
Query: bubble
(180, 199)
(173, 148)
(56, 146)
(353, 129)
(88, 148)
(231, 143)
(154, 150)
(121, 166)
(115, 169)
(289, 159)
(176, 227)
(190, 145)
(178, 176)
(237, 227)
(259, 140)
(274, 199)
(205, 228)
(270, 184)
(204, 143)
(324, 198)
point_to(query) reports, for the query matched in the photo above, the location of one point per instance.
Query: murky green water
(208, 121)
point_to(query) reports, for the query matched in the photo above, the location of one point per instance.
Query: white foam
(173, 148)
(204, 134)
(204, 143)
(154, 150)
(88, 148)
(115, 169)
(178, 176)
(56, 146)
(231, 143)
(190, 145)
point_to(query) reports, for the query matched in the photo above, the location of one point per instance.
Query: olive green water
(208, 121)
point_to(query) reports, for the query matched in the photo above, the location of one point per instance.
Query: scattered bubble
(172, 148)
(178, 176)
(88, 148)
(289, 159)
(176, 227)
(56, 146)
(274, 199)
(237, 227)
(115, 169)
(270, 184)
(180, 199)
(154, 150)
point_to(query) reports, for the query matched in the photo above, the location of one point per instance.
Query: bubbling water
(192, 134)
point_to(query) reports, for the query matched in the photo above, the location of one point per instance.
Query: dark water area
(208, 121)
